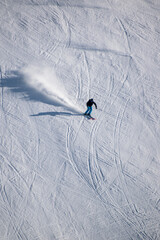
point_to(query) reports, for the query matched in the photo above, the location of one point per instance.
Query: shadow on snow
(56, 113)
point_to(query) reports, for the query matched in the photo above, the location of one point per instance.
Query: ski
(89, 117)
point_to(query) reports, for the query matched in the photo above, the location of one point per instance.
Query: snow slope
(63, 177)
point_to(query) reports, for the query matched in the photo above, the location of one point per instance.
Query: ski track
(88, 75)
(118, 162)
(97, 176)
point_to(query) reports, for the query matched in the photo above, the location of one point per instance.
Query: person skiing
(89, 107)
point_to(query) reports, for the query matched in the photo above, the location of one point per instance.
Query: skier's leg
(90, 110)
(87, 111)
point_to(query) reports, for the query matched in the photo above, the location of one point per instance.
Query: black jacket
(90, 103)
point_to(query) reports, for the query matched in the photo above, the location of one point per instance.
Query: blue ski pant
(89, 110)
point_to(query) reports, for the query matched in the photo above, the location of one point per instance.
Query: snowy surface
(63, 177)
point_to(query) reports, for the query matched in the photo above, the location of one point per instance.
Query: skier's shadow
(55, 114)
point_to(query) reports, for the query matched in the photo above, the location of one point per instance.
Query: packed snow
(63, 176)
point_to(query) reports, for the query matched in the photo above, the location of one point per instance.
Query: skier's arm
(95, 105)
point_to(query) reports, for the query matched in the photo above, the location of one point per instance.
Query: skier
(89, 107)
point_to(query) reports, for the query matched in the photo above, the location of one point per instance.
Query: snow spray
(44, 79)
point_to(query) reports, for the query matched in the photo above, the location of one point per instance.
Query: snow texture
(62, 176)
